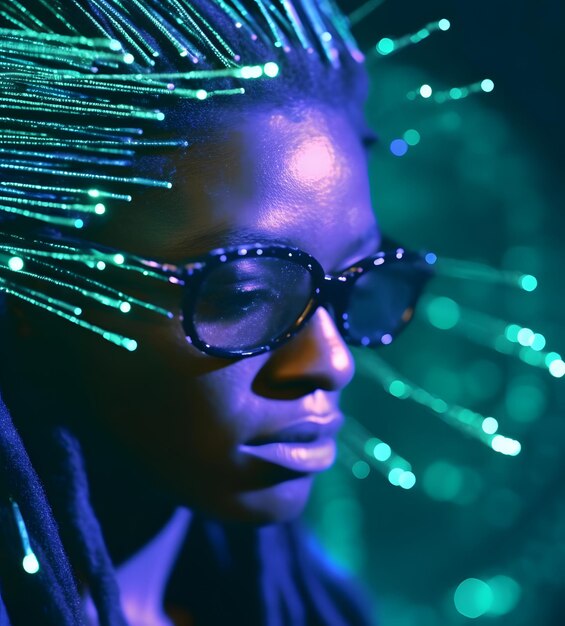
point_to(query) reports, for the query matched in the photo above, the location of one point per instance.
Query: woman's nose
(316, 358)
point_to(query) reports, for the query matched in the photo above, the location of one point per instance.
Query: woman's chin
(282, 502)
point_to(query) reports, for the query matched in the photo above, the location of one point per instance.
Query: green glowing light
(125, 307)
(443, 313)
(382, 452)
(538, 342)
(251, 71)
(129, 58)
(438, 405)
(490, 425)
(511, 332)
(394, 476)
(407, 480)
(30, 564)
(506, 594)
(505, 445)
(397, 389)
(455, 93)
(130, 344)
(16, 264)
(444, 24)
(119, 259)
(531, 356)
(271, 69)
(94, 193)
(100, 209)
(473, 598)
(77, 310)
(487, 85)
(101, 265)
(412, 137)
(528, 282)
(385, 46)
(78, 224)
(550, 357)
(525, 337)
(426, 91)
(202, 94)
(557, 368)
(442, 481)
(360, 469)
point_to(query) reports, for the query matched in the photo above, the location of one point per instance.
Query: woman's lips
(314, 456)
(307, 445)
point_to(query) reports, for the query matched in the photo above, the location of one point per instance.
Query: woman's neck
(143, 578)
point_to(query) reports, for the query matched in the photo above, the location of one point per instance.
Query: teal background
(480, 537)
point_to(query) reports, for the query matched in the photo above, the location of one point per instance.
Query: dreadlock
(88, 88)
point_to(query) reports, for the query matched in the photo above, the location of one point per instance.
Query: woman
(184, 457)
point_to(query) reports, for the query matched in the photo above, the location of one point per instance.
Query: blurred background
(448, 499)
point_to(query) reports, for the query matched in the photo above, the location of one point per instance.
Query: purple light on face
(386, 339)
(398, 147)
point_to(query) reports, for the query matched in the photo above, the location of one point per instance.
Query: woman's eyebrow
(228, 237)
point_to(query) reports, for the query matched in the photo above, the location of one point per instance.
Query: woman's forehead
(290, 173)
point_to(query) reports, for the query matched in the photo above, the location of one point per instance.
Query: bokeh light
(16, 264)
(443, 313)
(412, 137)
(473, 598)
(398, 147)
(426, 91)
(360, 470)
(385, 46)
(506, 593)
(487, 85)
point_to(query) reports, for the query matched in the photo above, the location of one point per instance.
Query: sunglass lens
(382, 302)
(249, 303)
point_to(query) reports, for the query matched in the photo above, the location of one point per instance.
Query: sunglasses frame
(329, 290)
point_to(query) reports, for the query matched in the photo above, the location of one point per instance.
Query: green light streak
(461, 418)
(470, 270)
(99, 84)
(486, 330)
(30, 563)
(59, 308)
(375, 453)
(387, 46)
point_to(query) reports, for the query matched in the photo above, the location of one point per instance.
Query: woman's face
(296, 176)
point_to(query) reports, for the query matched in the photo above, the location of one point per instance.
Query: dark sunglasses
(250, 299)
